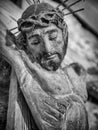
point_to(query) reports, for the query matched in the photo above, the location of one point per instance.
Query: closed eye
(35, 40)
(53, 35)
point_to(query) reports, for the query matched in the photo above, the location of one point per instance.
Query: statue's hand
(51, 111)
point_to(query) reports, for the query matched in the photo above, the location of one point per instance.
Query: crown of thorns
(43, 14)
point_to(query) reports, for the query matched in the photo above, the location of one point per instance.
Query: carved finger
(50, 120)
(53, 112)
(56, 105)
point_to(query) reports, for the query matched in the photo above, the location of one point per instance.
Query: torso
(59, 86)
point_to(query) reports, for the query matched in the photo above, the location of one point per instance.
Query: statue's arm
(10, 52)
(28, 85)
(30, 88)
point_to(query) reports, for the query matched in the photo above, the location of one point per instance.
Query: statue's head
(46, 35)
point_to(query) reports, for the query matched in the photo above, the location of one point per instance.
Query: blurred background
(82, 46)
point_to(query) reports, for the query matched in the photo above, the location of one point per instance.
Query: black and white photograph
(48, 64)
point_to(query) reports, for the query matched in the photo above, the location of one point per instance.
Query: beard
(50, 62)
(47, 61)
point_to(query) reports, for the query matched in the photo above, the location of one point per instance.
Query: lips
(46, 60)
(49, 61)
(49, 57)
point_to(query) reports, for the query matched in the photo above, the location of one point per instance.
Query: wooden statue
(43, 95)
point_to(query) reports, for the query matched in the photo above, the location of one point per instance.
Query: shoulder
(77, 77)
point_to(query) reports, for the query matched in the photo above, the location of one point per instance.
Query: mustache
(46, 55)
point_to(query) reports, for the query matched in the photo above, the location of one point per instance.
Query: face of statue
(46, 44)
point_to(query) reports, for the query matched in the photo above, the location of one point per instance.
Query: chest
(55, 83)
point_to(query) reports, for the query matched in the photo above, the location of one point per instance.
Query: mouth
(50, 61)
(50, 57)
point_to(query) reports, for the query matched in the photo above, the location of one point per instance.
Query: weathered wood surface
(12, 101)
(18, 114)
(46, 94)
(4, 88)
(5, 7)
(82, 48)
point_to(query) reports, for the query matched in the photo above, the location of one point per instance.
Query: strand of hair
(29, 2)
(72, 4)
(73, 12)
(13, 28)
(60, 5)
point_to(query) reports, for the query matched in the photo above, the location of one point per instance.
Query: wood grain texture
(18, 114)
(12, 101)
(82, 48)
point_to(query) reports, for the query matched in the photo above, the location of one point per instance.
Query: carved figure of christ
(49, 95)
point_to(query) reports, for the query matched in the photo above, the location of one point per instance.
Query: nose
(48, 47)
